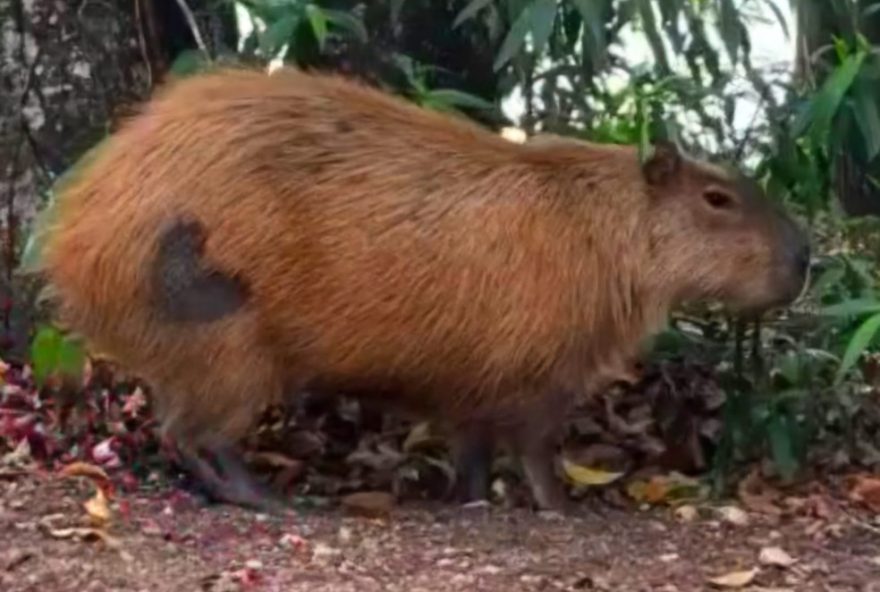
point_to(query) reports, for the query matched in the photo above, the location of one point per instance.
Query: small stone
(254, 564)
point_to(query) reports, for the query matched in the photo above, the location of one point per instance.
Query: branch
(191, 21)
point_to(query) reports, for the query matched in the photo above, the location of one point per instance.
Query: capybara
(250, 235)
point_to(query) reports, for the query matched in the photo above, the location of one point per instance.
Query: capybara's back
(252, 235)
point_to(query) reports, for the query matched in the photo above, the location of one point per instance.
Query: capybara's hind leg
(473, 448)
(233, 483)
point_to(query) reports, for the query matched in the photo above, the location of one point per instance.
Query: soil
(164, 540)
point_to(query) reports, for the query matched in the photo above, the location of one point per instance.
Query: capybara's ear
(663, 164)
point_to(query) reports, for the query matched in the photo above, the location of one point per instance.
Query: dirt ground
(167, 541)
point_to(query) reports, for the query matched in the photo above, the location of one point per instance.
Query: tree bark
(66, 68)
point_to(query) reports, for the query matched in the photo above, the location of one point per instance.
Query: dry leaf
(758, 496)
(775, 556)
(734, 515)
(19, 457)
(85, 534)
(276, 460)
(686, 513)
(98, 509)
(370, 504)
(582, 475)
(866, 490)
(665, 488)
(735, 579)
(83, 469)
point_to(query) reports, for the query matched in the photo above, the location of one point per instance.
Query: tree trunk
(65, 69)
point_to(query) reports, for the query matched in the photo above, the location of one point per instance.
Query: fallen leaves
(368, 504)
(776, 557)
(672, 489)
(735, 579)
(865, 490)
(98, 514)
(581, 475)
(758, 496)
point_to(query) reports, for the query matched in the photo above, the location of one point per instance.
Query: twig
(191, 20)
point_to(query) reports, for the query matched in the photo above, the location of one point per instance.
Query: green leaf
(731, 32)
(824, 106)
(319, 23)
(189, 62)
(458, 98)
(781, 434)
(470, 11)
(854, 307)
(859, 342)
(867, 117)
(348, 22)
(278, 34)
(51, 352)
(543, 14)
(514, 40)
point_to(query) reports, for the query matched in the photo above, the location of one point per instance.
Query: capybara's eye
(718, 199)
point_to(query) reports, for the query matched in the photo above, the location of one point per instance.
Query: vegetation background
(789, 90)
(768, 413)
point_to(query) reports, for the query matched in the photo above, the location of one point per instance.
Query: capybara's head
(714, 234)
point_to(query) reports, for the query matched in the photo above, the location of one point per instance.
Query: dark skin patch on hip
(185, 288)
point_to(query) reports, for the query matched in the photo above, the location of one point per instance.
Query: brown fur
(391, 249)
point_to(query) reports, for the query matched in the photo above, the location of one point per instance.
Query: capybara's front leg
(535, 444)
(473, 447)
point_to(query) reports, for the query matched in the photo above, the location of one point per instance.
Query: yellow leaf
(735, 579)
(98, 509)
(582, 475)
